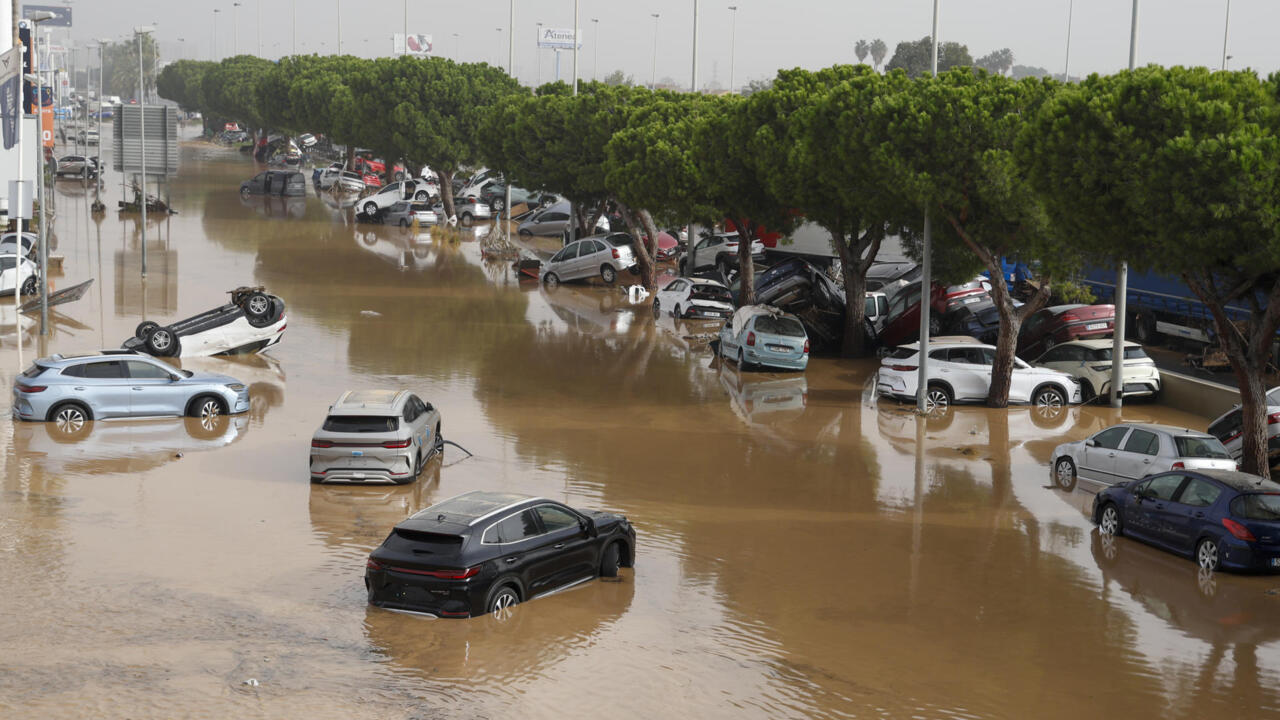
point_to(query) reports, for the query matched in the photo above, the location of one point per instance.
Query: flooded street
(804, 550)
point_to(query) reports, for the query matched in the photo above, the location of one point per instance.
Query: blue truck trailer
(1160, 306)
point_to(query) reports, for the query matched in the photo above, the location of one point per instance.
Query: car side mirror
(1091, 442)
(174, 378)
(589, 527)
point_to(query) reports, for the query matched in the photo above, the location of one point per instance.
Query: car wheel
(742, 360)
(498, 204)
(437, 445)
(1208, 555)
(1086, 391)
(503, 602)
(524, 232)
(657, 309)
(937, 398)
(244, 191)
(1049, 397)
(609, 561)
(1109, 522)
(417, 464)
(144, 330)
(551, 281)
(160, 342)
(70, 420)
(205, 407)
(466, 220)
(404, 223)
(608, 274)
(257, 305)
(30, 286)
(370, 209)
(420, 196)
(1064, 473)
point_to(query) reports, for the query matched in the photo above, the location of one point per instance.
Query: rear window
(1130, 353)
(711, 293)
(33, 371)
(1256, 506)
(423, 543)
(361, 423)
(1200, 447)
(779, 326)
(902, 353)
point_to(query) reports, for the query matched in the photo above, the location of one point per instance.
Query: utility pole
(339, 27)
(926, 275)
(573, 211)
(142, 152)
(511, 61)
(694, 87)
(733, 41)
(653, 78)
(235, 29)
(1066, 66)
(595, 51)
(1225, 29)
(1122, 273)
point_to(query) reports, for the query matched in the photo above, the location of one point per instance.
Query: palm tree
(861, 48)
(878, 51)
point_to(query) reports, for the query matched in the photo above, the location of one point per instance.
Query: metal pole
(44, 241)
(575, 47)
(1066, 66)
(235, 29)
(595, 52)
(926, 275)
(97, 183)
(1226, 27)
(13, 201)
(653, 78)
(293, 16)
(537, 53)
(259, 28)
(214, 54)
(511, 60)
(406, 30)
(1122, 273)
(557, 52)
(340, 27)
(694, 88)
(142, 153)
(733, 41)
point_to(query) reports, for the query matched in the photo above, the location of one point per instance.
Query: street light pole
(511, 62)
(339, 27)
(142, 151)
(733, 41)
(653, 78)
(214, 54)
(293, 17)
(575, 48)
(406, 28)
(259, 21)
(457, 52)
(595, 51)
(1066, 66)
(1122, 273)
(235, 29)
(537, 51)
(694, 87)
(1225, 29)
(926, 275)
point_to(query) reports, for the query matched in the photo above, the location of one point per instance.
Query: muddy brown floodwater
(804, 550)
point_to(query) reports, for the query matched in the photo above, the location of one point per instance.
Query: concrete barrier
(1200, 397)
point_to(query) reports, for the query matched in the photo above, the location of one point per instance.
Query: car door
(572, 555)
(1023, 380)
(568, 264)
(1155, 506)
(1229, 430)
(152, 390)
(670, 295)
(106, 388)
(1187, 516)
(972, 368)
(1135, 457)
(416, 418)
(1098, 458)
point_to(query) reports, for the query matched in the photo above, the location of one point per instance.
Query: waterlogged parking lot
(804, 551)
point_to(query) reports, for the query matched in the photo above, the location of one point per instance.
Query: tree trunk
(351, 157)
(596, 213)
(746, 266)
(854, 262)
(640, 223)
(1010, 323)
(445, 180)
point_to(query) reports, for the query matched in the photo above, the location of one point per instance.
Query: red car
(1060, 323)
(902, 323)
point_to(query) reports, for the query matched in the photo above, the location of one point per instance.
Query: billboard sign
(46, 116)
(419, 45)
(61, 14)
(557, 38)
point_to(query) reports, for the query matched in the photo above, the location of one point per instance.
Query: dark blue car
(1222, 518)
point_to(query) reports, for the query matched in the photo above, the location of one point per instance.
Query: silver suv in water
(603, 255)
(375, 436)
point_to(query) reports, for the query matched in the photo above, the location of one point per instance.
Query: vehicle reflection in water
(763, 396)
(10, 322)
(1231, 614)
(122, 446)
(588, 310)
(402, 249)
(356, 518)
(276, 207)
(154, 295)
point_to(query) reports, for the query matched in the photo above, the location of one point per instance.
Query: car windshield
(779, 326)
(1130, 353)
(1190, 446)
(361, 423)
(1257, 506)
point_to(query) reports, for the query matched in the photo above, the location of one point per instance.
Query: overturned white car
(252, 322)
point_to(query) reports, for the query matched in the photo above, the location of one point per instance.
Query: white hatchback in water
(1132, 451)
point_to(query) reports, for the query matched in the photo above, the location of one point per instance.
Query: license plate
(1096, 326)
(973, 299)
(357, 453)
(1275, 562)
(779, 348)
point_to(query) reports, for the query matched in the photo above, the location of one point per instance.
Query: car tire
(437, 445)
(161, 342)
(608, 274)
(1209, 554)
(370, 209)
(609, 560)
(417, 467)
(1086, 392)
(501, 601)
(678, 312)
(1064, 473)
(498, 204)
(742, 360)
(937, 398)
(244, 192)
(466, 220)
(257, 305)
(524, 232)
(206, 407)
(1110, 521)
(30, 286)
(404, 223)
(657, 309)
(144, 330)
(1048, 396)
(551, 281)
(420, 196)
(70, 421)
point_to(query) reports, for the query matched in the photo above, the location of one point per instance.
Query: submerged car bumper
(787, 361)
(397, 588)
(1249, 556)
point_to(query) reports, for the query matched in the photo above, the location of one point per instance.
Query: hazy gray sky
(770, 33)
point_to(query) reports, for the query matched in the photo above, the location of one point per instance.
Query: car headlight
(236, 386)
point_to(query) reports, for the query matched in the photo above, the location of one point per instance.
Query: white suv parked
(960, 371)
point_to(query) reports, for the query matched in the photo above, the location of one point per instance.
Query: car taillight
(903, 368)
(33, 388)
(456, 574)
(806, 346)
(1239, 531)
(1178, 466)
(396, 444)
(751, 339)
(1066, 318)
(372, 564)
(615, 254)
(1273, 418)
(321, 444)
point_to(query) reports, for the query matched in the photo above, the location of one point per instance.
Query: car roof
(1240, 481)
(946, 341)
(1097, 343)
(72, 358)
(369, 402)
(1059, 309)
(1170, 429)
(465, 510)
(704, 281)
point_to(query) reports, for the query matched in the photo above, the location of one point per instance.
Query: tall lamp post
(235, 29)
(693, 88)
(142, 150)
(511, 62)
(653, 77)
(36, 18)
(537, 52)
(1122, 272)
(733, 41)
(1066, 65)
(1226, 28)
(339, 16)
(97, 187)
(457, 52)
(595, 51)
(926, 274)
(213, 55)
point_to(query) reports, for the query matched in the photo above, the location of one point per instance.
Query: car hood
(212, 378)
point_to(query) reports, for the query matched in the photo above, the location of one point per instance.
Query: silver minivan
(375, 436)
(603, 255)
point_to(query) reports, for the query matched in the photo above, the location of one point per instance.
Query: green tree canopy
(917, 57)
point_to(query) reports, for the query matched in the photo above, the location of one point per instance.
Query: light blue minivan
(761, 335)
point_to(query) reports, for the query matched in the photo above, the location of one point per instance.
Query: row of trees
(1173, 170)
